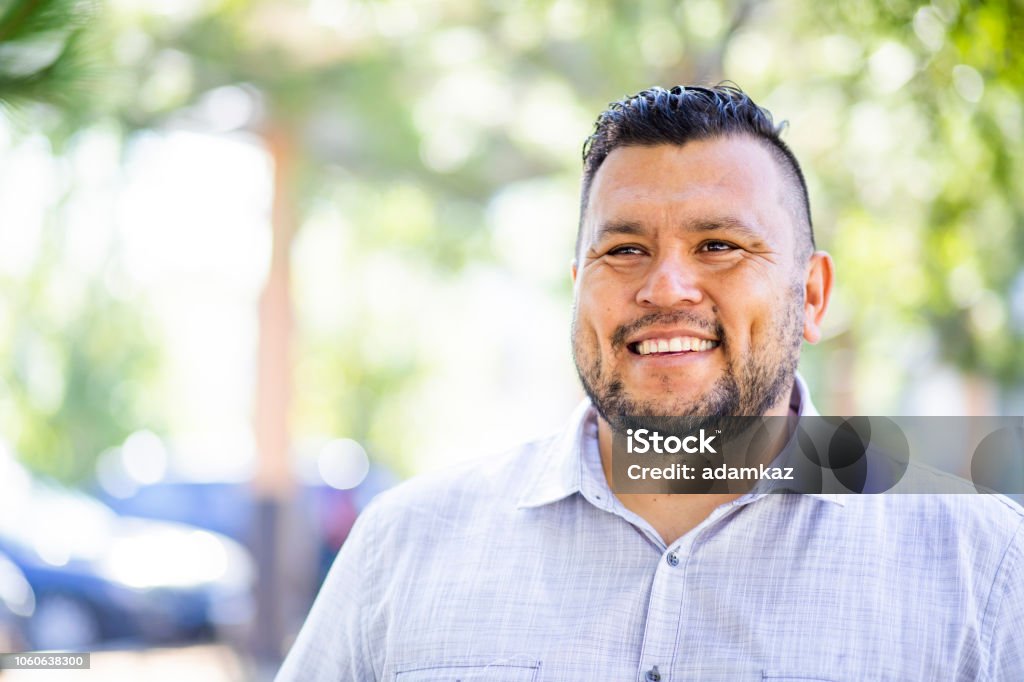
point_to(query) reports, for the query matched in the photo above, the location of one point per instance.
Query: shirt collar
(558, 467)
(558, 473)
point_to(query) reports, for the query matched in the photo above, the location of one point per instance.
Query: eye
(716, 246)
(626, 250)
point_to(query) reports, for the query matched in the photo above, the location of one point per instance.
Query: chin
(657, 405)
(671, 401)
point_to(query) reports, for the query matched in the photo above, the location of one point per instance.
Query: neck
(673, 515)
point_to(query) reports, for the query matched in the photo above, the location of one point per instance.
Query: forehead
(730, 177)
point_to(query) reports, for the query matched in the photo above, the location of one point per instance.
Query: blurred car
(229, 508)
(98, 576)
(17, 604)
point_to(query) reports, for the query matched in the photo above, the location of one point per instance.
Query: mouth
(672, 345)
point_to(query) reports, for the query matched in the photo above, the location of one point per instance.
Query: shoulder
(970, 532)
(958, 507)
(459, 494)
(927, 499)
(946, 500)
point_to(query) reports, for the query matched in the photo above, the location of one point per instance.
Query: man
(695, 280)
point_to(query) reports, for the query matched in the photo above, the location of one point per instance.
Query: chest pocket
(491, 672)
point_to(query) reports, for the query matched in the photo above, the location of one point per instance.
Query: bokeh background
(260, 260)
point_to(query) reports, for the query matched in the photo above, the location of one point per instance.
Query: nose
(671, 282)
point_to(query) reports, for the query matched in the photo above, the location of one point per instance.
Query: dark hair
(684, 114)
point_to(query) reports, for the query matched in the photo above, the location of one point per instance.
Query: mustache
(627, 330)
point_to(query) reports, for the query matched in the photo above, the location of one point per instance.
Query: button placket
(663, 613)
(661, 635)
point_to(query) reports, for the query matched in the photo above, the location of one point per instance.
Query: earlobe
(817, 292)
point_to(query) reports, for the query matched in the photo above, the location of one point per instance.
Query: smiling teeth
(674, 345)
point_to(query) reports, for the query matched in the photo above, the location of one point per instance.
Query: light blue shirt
(526, 567)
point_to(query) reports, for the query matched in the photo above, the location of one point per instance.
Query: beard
(749, 386)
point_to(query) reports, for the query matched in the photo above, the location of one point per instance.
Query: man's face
(689, 298)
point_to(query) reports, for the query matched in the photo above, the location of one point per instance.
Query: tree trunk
(273, 484)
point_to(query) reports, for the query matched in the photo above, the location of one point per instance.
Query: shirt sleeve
(333, 643)
(1007, 605)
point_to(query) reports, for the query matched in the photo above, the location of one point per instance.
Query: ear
(817, 292)
(573, 266)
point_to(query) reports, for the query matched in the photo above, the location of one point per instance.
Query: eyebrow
(726, 223)
(618, 227)
(729, 224)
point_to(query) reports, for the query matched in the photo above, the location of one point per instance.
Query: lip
(668, 333)
(672, 359)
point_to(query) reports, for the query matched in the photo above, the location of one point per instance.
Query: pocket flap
(496, 671)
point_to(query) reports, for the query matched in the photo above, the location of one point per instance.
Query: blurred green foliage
(75, 360)
(413, 117)
(52, 64)
(41, 59)
(923, 208)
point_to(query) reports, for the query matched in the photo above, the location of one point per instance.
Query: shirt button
(673, 560)
(653, 675)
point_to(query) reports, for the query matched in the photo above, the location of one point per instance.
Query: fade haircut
(687, 113)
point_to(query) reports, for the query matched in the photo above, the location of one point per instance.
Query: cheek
(604, 283)
(595, 312)
(593, 327)
(584, 332)
(748, 319)
(769, 323)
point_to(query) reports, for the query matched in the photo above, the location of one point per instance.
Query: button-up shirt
(526, 567)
